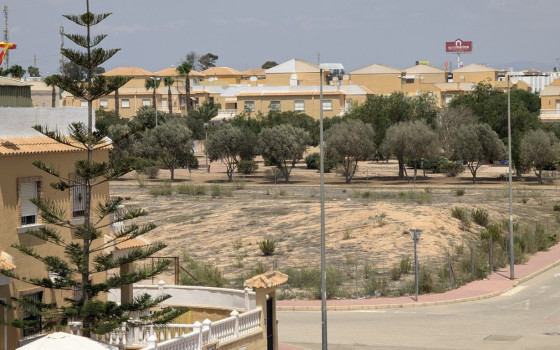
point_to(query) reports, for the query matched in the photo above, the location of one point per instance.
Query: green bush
(164, 189)
(405, 265)
(459, 192)
(452, 169)
(480, 217)
(556, 207)
(313, 161)
(459, 213)
(151, 172)
(426, 283)
(395, 273)
(217, 190)
(376, 286)
(267, 246)
(247, 167)
(310, 280)
(191, 190)
(200, 274)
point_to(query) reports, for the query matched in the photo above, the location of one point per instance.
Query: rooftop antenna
(7, 55)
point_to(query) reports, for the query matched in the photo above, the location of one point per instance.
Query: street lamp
(510, 185)
(322, 190)
(205, 149)
(415, 234)
(156, 85)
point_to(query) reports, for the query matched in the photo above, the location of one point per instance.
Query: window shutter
(28, 191)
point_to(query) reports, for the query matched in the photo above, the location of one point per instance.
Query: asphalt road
(526, 317)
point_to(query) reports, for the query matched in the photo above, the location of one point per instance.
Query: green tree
(269, 64)
(185, 69)
(283, 145)
(192, 59)
(540, 151)
(114, 83)
(16, 71)
(153, 83)
(224, 143)
(52, 82)
(207, 61)
(449, 119)
(78, 73)
(351, 141)
(170, 143)
(475, 144)
(85, 256)
(490, 106)
(169, 81)
(33, 71)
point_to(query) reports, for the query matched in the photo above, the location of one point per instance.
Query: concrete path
(496, 284)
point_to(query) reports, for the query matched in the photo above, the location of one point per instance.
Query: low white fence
(180, 336)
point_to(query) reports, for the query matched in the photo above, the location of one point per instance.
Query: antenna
(7, 55)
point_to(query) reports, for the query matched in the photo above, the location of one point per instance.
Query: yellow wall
(383, 84)
(304, 79)
(14, 167)
(474, 77)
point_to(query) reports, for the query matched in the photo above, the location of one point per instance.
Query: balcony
(550, 115)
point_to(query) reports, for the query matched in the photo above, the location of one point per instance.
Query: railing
(179, 336)
(550, 115)
(227, 112)
(550, 111)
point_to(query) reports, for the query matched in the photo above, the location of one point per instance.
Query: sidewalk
(496, 284)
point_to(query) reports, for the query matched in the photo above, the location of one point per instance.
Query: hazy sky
(245, 33)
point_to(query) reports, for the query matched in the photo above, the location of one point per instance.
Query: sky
(157, 34)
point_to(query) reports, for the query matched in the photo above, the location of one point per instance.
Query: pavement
(497, 283)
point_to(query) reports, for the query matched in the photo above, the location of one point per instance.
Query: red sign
(458, 46)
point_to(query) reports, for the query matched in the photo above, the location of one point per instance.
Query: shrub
(191, 190)
(201, 274)
(556, 207)
(247, 166)
(164, 189)
(405, 265)
(480, 217)
(395, 273)
(459, 192)
(452, 169)
(267, 246)
(459, 213)
(220, 191)
(151, 172)
(376, 286)
(313, 161)
(347, 234)
(141, 179)
(426, 282)
(239, 183)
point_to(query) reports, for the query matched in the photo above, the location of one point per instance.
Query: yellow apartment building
(221, 76)
(475, 73)
(20, 180)
(379, 78)
(550, 102)
(295, 72)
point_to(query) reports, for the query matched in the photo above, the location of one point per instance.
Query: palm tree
(184, 69)
(153, 83)
(169, 81)
(114, 83)
(52, 81)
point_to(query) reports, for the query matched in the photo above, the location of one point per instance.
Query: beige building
(20, 180)
(295, 72)
(379, 78)
(475, 73)
(550, 102)
(221, 76)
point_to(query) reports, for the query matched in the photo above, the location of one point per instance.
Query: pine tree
(86, 254)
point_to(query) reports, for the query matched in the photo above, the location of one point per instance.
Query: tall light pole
(156, 85)
(323, 249)
(510, 183)
(205, 149)
(415, 234)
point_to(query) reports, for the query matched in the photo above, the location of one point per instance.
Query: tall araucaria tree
(86, 253)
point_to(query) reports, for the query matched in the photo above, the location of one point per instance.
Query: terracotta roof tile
(266, 280)
(221, 71)
(128, 71)
(34, 145)
(5, 264)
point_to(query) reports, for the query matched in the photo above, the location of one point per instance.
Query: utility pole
(7, 55)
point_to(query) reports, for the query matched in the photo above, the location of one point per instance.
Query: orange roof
(172, 72)
(128, 71)
(255, 71)
(36, 144)
(138, 242)
(221, 71)
(266, 280)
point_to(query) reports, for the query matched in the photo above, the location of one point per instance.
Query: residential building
(295, 72)
(379, 78)
(550, 102)
(20, 181)
(221, 76)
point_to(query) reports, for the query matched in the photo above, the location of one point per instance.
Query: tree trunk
(401, 168)
(188, 94)
(169, 103)
(172, 170)
(117, 103)
(53, 97)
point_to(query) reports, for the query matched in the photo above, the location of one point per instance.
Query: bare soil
(367, 219)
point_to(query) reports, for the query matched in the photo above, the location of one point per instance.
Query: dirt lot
(366, 221)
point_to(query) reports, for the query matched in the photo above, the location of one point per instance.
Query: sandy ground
(225, 231)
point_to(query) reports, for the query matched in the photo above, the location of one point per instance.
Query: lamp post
(205, 143)
(510, 183)
(323, 248)
(415, 234)
(156, 85)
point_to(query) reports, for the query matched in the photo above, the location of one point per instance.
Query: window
(28, 189)
(249, 106)
(275, 106)
(83, 103)
(146, 102)
(103, 103)
(299, 105)
(125, 103)
(327, 105)
(78, 196)
(164, 103)
(448, 99)
(30, 314)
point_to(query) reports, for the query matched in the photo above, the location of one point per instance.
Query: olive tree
(539, 150)
(475, 144)
(283, 145)
(170, 143)
(350, 141)
(225, 144)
